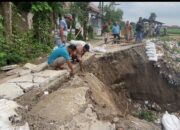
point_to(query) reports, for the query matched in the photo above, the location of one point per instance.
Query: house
(150, 26)
(95, 18)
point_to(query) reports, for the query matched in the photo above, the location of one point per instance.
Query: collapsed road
(102, 98)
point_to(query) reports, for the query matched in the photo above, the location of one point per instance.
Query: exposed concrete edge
(54, 85)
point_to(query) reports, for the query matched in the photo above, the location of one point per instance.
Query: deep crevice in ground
(141, 79)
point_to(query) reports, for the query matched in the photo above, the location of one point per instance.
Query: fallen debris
(9, 67)
(9, 117)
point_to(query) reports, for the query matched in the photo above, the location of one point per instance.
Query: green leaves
(147, 115)
(112, 14)
(41, 7)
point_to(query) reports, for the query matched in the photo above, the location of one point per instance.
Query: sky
(167, 12)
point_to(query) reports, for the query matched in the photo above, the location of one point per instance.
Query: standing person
(128, 31)
(116, 31)
(64, 27)
(60, 56)
(165, 31)
(132, 31)
(77, 55)
(139, 30)
(106, 31)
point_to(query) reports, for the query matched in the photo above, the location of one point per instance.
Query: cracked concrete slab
(51, 74)
(87, 121)
(62, 104)
(40, 67)
(26, 78)
(29, 66)
(10, 90)
(29, 81)
(27, 86)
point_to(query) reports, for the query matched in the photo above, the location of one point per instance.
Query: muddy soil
(141, 79)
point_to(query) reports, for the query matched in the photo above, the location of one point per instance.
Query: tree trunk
(85, 30)
(7, 13)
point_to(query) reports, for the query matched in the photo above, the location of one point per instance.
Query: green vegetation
(112, 14)
(174, 31)
(31, 44)
(90, 32)
(147, 115)
(22, 45)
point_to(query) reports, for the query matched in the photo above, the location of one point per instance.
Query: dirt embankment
(131, 72)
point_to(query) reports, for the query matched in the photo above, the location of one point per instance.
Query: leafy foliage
(112, 14)
(90, 32)
(23, 6)
(31, 44)
(42, 22)
(58, 7)
(147, 115)
(80, 10)
(70, 36)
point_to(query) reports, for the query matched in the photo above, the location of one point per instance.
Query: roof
(147, 20)
(94, 7)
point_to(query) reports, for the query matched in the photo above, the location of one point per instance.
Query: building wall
(95, 22)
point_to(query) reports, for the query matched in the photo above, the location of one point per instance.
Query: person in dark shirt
(139, 30)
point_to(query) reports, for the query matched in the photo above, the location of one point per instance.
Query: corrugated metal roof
(94, 7)
(147, 20)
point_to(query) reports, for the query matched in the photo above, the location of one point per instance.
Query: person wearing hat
(77, 55)
(64, 27)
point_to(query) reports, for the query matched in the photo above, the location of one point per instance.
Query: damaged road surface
(102, 98)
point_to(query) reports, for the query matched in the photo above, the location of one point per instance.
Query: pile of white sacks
(151, 51)
(170, 122)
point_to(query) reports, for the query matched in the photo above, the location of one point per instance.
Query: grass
(174, 31)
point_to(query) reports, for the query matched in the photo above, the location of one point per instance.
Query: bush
(29, 45)
(70, 36)
(79, 37)
(147, 115)
(90, 32)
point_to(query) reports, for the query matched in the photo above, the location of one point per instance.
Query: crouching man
(77, 55)
(60, 56)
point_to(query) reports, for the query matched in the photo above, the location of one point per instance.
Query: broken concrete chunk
(12, 72)
(7, 111)
(24, 72)
(9, 117)
(40, 67)
(9, 67)
(18, 71)
(10, 90)
(24, 127)
(73, 100)
(26, 78)
(29, 66)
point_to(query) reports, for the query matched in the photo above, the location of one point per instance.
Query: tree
(112, 14)
(80, 10)
(7, 13)
(152, 16)
(58, 10)
(41, 21)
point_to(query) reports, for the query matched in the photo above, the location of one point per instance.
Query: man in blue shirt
(61, 55)
(116, 31)
(64, 27)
